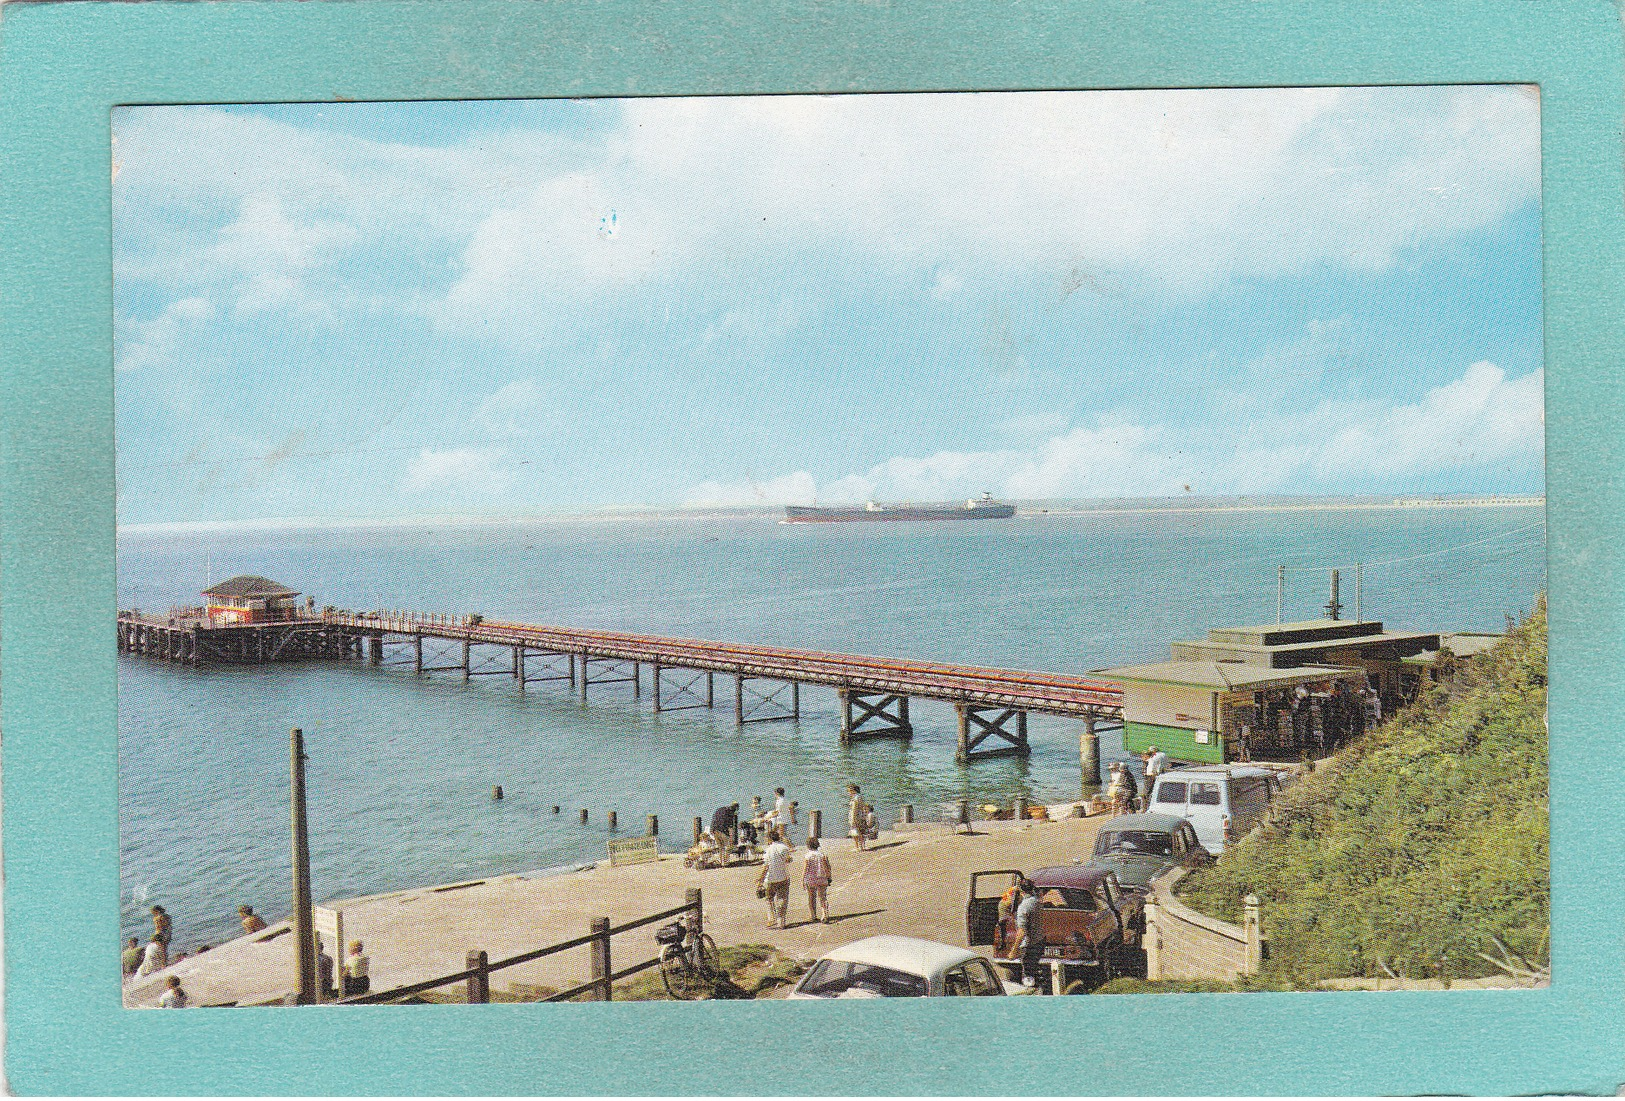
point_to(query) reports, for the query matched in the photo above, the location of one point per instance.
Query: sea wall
(1181, 943)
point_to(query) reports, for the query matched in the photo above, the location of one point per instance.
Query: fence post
(815, 824)
(651, 826)
(601, 970)
(908, 813)
(1254, 959)
(1153, 940)
(699, 828)
(696, 913)
(478, 989)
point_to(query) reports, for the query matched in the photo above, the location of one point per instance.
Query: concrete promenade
(913, 881)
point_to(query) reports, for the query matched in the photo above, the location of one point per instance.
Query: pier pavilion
(1195, 705)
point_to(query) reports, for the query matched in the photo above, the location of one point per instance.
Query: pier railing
(600, 986)
(1055, 693)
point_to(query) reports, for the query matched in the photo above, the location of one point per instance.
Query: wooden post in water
(815, 823)
(651, 825)
(739, 698)
(417, 654)
(710, 689)
(601, 969)
(519, 666)
(795, 700)
(637, 680)
(466, 647)
(962, 746)
(304, 936)
(655, 683)
(612, 821)
(908, 813)
(699, 828)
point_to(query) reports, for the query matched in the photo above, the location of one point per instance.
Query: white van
(1223, 802)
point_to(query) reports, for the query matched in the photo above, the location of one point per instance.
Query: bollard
(1021, 808)
(908, 813)
(611, 819)
(699, 829)
(815, 824)
(961, 814)
(651, 826)
(496, 792)
(583, 816)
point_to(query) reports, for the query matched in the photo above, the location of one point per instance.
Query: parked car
(901, 967)
(1140, 847)
(1091, 925)
(1222, 802)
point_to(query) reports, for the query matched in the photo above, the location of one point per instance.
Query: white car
(902, 967)
(1223, 802)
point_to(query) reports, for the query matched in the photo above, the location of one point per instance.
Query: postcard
(581, 559)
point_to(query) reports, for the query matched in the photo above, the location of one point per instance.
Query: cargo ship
(985, 509)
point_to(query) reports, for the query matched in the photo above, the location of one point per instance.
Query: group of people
(773, 884)
(138, 962)
(1321, 720)
(1124, 791)
(1017, 935)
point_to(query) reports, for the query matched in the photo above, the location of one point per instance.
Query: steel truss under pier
(188, 641)
(973, 717)
(878, 715)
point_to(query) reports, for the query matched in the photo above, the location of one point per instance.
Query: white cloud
(458, 470)
(150, 345)
(520, 408)
(1482, 420)
(792, 489)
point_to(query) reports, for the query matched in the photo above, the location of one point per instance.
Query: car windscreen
(1171, 791)
(840, 979)
(1134, 841)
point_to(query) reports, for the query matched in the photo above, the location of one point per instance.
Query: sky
(351, 311)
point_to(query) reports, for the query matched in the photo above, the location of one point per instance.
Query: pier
(992, 704)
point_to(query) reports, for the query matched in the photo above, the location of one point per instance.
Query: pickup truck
(1091, 925)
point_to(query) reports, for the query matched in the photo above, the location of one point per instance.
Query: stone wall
(1183, 944)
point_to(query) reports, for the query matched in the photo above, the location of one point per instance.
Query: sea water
(401, 767)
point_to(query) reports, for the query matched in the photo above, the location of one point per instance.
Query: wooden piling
(612, 820)
(699, 829)
(651, 826)
(1089, 756)
(583, 816)
(815, 823)
(739, 698)
(908, 813)
(654, 683)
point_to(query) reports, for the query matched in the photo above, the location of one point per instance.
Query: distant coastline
(1024, 509)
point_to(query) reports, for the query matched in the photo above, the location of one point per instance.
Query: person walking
(816, 877)
(130, 959)
(1156, 763)
(774, 882)
(252, 922)
(857, 817)
(174, 997)
(1029, 938)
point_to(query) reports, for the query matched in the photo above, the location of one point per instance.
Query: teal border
(65, 66)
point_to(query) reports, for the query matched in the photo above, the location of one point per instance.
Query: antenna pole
(1333, 606)
(1280, 590)
(1359, 577)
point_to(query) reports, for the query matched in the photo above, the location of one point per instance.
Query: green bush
(1408, 851)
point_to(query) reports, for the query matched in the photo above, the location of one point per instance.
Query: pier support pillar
(519, 666)
(873, 715)
(977, 724)
(417, 654)
(654, 685)
(466, 669)
(1089, 756)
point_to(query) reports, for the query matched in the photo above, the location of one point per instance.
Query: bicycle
(689, 966)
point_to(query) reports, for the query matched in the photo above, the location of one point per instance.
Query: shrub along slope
(1407, 852)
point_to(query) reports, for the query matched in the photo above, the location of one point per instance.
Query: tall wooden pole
(304, 932)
